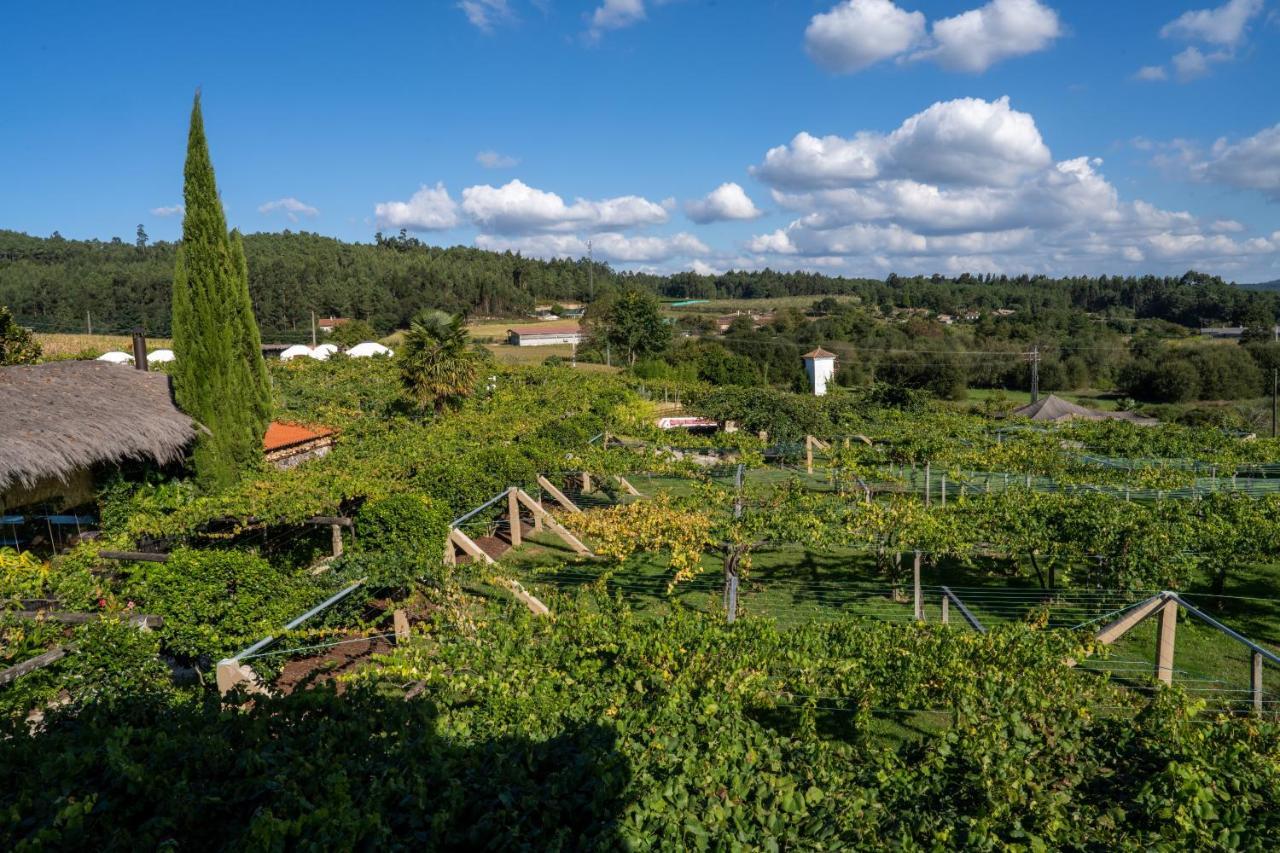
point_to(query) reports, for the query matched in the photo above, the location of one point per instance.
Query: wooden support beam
(400, 622)
(135, 556)
(557, 494)
(340, 520)
(1255, 680)
(469, 547)
(139, 620)
(946, 610)
(536, 607)
(1125, 623)
(335, 538)
(55, 654)
(586, 482)
(626, 485)
(513, 517)
(1165, 638)
(450, 552)
(808, 454)
(232, 674)
(554, 526)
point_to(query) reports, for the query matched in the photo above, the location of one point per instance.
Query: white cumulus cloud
(429, 209)
(1151, 73)
(291, 208)
(858, 33)
(1226, 25)
(494, 160)
(855, 34)
(979, 38)
(615, 15)
(174, 210)
(965, 141)
(727, 201)
(1250, 164)
(517, 208)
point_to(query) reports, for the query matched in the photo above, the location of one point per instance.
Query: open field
(63, 346)
(493, 331)
(508, 354)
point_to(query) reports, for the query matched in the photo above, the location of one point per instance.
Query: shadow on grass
(312, 770)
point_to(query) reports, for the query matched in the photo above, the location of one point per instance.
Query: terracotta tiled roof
(281, 435)
(819, 353)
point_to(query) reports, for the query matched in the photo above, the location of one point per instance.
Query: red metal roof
(281, 435)
(547, 329)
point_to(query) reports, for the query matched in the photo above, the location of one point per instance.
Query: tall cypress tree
(219, 376)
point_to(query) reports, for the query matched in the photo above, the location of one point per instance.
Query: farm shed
(547, 334)
(1054, 409)
(287, 444)
(60, 421)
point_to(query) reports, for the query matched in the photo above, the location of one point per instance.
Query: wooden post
(513, 516)
(335, 535)
(557, 494)
(1165, 636)
(1255, 682)
(946, 610)
(944, 489)
(401, 622)
(808, 454)
(139, 350)
(626, 485)
(1132, 617)
(919, 601)
(232, 674)
(927, 477)
(586, 482)
(450, 553)
(469, 547)
(554, 526)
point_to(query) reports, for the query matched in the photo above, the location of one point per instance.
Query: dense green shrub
(400, 540)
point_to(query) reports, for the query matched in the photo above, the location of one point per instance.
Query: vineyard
(540, 622)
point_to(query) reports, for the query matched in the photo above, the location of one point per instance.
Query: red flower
(102, 602)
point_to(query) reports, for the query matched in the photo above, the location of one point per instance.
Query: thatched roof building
(1054, 409)
(59, 420)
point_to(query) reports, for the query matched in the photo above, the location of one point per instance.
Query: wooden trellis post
(1255, 681)
(946, 610)
(1165, 636)
(468, 546)
(808, 454)
(554, 526)
(919, 601)
(586, 482)
(513, 516)
(557, 494)
(335, 532)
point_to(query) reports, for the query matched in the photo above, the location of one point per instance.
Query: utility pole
(313, 329)
(1275, 386)
(1034, 355)
(88, 322)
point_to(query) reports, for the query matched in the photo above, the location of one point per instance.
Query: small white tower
(821, 367)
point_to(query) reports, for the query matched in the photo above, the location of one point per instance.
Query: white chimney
(821, 367)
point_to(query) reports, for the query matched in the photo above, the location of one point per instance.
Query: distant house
(289, 444)
(547, 334)
(946, 319)
(724, 321)
(63, 422)
(1004, 312)
(328, 324)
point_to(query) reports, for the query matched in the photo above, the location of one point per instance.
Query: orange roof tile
(281, 435)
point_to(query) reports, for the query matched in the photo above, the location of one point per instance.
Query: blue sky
(859, 136)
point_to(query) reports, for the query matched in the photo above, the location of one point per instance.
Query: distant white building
(548, 334)
(820, 365)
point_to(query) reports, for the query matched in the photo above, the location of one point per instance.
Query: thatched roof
(58, 418)
(1055, 409)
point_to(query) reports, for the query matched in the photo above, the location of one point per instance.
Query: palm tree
(437, 363)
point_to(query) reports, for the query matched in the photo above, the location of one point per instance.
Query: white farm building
(546, 334)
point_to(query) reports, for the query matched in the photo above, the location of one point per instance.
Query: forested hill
(52, 283)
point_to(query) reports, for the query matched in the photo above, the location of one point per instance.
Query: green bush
(400, 540)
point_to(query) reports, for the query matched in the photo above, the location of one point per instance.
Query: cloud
(971, 185)
(291, 207)
(175, 210)
(973, 41)
(859, 33)
(1225, 25)
(1151, 73)
(856, 34)
(615, 15)
(1250, 164)
(1192, 64)
(485, 14)
(494, 160)
(964, 141)
(516, 208)
(727, 201)
(704, 268)
(609, 246)
(429, 209)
